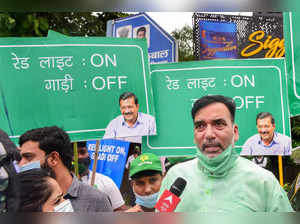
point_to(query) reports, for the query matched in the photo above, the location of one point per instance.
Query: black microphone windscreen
(178, 186)
(10, 148)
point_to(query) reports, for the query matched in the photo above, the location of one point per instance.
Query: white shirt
(106, 185)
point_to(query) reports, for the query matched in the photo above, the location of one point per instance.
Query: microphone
(9, 181)
(170, 199)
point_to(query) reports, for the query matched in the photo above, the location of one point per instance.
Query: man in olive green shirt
(218, 179)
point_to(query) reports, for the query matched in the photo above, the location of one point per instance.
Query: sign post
(108, 158)
(257, 85)
(71, 82)
(162, 47)
(292, 46)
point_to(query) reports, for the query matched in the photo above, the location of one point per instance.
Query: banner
(71, 82)
(257, 85)
(292, 46)
(217, 40)
(257, 36)
(112, 158)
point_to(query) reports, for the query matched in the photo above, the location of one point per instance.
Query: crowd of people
(217, 178)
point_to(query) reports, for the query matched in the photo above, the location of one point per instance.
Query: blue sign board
(161, 45)
(217, 40)
(112, 157)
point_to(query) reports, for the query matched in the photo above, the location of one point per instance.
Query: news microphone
(170, 198)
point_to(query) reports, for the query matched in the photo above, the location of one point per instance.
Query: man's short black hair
(127, 95)
(141, 29)
(263, 115)
(207, 100)
(145, 173)
(51, 139)
(80, 144)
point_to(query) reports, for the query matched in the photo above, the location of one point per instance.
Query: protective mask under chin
(148, 201)
(220, 165)
(65, 206)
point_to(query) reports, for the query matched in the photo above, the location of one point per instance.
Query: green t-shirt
(246, 187)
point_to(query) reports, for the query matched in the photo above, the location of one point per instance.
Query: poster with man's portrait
(142, 32)
(124, 31)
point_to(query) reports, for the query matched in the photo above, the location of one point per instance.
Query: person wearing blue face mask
(218, 179)
(52, 148)
(146, 177)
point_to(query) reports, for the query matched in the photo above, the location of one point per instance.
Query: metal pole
(280, 170)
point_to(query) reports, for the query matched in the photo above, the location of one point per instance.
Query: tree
(185, 42)
(23, 24)
(70, 23)
(295, 125)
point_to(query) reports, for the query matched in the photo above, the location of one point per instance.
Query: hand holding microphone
(170, 199)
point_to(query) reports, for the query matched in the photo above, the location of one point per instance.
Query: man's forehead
(214, 111)
(30, 146)
(264, 120)
(146, 178)
(127, 101)
(205, 119)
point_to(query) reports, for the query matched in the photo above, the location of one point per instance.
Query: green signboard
(292, 54)
(257, 85)
(72, 82)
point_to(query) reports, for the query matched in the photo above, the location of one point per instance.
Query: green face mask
(218, 166)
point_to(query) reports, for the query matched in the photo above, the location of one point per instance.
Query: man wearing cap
(146, 174)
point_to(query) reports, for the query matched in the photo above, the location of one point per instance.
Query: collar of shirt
(138, 121)
(73, 189)
(275, 140)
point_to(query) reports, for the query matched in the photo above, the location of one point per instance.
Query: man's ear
(236, 132)
(131, 183)
(53, 159)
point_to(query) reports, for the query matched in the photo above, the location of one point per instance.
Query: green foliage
(295, 124)
(185, 43)
(22, 25)
(69, 23)
(296, 154)
(287, 187)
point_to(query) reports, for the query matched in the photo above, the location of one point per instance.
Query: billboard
(161, 45)
(71, 82)
(257, 85)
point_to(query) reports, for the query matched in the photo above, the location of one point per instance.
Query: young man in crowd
(146, 178)
(52, 149)
(102, 182)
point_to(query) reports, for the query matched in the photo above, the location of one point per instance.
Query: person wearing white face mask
(52, 147)
(219, 179)
(40, 192)
(146, 174)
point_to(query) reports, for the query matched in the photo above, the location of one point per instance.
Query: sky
(170, 21)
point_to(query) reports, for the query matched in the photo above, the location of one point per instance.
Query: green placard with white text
(292, 54)
(256, 85)
(72, 82)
